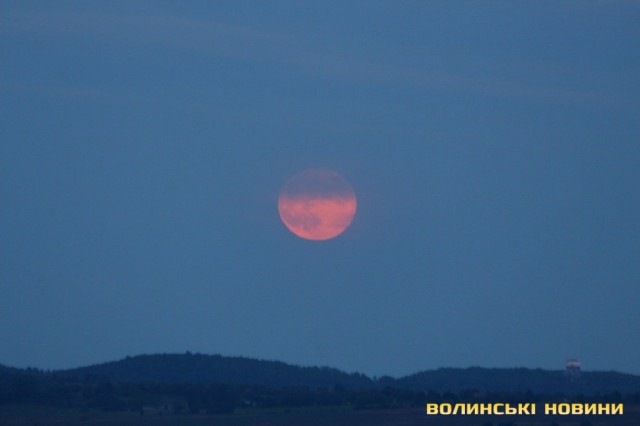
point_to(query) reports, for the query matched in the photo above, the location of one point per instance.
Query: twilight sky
(494, 148)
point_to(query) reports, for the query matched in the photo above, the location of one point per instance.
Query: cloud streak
(253, 45)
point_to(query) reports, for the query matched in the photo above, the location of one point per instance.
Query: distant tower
(572, 368)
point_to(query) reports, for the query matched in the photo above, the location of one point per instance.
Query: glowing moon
(317, 204)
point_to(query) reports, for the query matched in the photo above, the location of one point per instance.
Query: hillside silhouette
(218, 369)
(214, 384)
(512, 380)
(225, 370)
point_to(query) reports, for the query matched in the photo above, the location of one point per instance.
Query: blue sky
(493, 148)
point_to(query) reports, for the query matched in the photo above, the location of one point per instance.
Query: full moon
(317, 204)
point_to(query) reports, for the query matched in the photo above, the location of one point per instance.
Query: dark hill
(223, 370)
(217, 369)
(7, 370)
(12, 371)
(520, 380)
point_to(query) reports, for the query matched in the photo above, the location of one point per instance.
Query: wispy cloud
(253, 45)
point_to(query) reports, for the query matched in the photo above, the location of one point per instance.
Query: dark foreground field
(36, 415)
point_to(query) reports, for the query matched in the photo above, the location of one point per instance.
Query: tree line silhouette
(190, 383)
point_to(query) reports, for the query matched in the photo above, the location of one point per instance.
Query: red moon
(317, 204)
